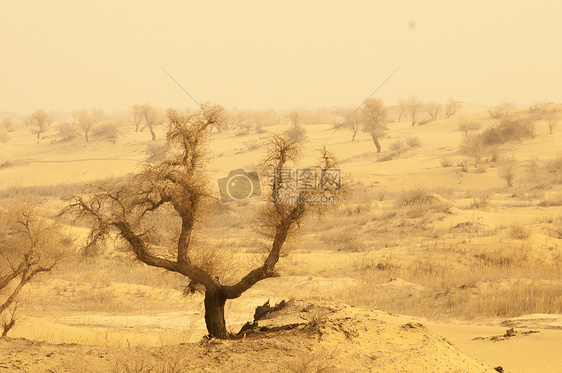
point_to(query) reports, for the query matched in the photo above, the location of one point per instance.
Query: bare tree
(552, 119)
(137, 116)
(353, 123)
(402, 108)
(414, 105)
(433, 109)
(86, 120)
(451, 107)
(29, 245)
(466, 126)
(8, 124)
(152, 117)
(178, 186)
(374, 120)
(295, 117)
(297, 131)
(39, 121)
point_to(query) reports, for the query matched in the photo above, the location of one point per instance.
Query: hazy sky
(65, 55)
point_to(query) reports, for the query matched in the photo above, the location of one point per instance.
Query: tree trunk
(376, 141)
(86, 135)
(214, 313)
(354, 133)
(152, 133)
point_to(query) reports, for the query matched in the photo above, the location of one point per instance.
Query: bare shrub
(555, 165)
(397, 145)
(473, 146)
(415, 196)
(519, 231)
(413, 142)
(107, 131)
(481, 202)
(447, 162)
(507, 169)
(296, 133)
(553, 199)
(68, 131)
(509, 129)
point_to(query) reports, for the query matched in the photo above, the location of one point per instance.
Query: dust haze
(317, 187)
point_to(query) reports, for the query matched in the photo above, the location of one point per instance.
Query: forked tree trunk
(214, 313)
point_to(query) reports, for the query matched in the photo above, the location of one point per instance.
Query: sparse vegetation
(438, 251)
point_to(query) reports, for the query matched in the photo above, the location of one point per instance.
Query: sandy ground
(329, 334)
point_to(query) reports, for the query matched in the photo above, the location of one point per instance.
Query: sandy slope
(312, 337)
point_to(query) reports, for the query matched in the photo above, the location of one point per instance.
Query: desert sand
(438, 263)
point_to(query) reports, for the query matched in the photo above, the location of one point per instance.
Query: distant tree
(39, 121)
(178, 187)
(295, 117)
(451, 107)
(414, 104)
(29, 245)
(296, 132)
(151, 117)
(402, 108)
(552, 118)
(374, 116)
(8, 124)
(433, 109)
(466, 126)
(137, 116)
(87, 119)
(353, 122)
